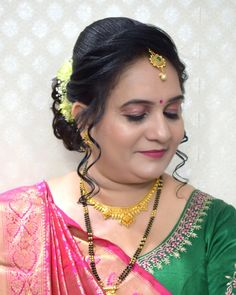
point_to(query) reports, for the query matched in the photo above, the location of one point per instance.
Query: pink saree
(43, 251)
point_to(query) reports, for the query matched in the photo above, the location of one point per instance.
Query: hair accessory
(125, 215)
(158, 62)
(112, 289)
(63, 76)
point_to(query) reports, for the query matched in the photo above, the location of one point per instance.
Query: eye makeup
(136, 118)
(173, 110)
(136, 110)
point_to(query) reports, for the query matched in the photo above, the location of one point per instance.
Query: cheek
(181, 133)
(115, 133)
(178, 132)
(122, 134)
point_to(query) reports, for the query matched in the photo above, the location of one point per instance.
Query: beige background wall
(37, 36)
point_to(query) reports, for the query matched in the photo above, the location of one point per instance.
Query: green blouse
(199, 255)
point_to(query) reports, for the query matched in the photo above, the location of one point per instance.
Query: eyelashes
(136, 118)
(141, 117)
(172, 116)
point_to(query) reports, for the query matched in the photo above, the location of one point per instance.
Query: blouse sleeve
(221, 250)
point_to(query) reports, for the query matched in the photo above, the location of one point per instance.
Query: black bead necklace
(112, 289)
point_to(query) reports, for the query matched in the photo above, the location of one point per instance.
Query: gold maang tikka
(158, 62)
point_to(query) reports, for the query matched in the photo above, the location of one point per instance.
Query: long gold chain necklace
(125, 215)
(110, 290)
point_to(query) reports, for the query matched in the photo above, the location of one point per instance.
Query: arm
(221, 252)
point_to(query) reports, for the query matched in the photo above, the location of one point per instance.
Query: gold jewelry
(158, 62)
(109, 290)
(86, 138)
(125, 215)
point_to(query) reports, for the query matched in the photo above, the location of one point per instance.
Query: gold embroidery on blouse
(181, 238)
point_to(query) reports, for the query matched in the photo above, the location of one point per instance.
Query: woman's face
(142, 125)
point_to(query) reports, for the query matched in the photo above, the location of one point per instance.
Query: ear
(77, 107)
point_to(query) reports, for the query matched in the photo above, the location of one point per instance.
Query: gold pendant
(110, 290)
(127, 220)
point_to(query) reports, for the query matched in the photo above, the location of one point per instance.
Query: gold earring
(87, 141)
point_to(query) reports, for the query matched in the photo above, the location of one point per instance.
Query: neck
(120, 193)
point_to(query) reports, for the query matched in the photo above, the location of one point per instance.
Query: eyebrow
(148, 102)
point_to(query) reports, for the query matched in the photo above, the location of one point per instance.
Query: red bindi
(161, 101)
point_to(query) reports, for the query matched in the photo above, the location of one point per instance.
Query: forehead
(141, 80)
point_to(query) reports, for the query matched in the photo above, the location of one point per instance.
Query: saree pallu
(43, 251)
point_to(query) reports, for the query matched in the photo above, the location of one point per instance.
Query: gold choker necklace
(125, 215)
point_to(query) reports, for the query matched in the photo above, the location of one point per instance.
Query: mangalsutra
(109, 290)
(125, 215)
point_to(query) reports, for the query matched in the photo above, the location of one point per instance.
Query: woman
(119, 224)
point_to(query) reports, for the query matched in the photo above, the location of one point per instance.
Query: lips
(154, 153)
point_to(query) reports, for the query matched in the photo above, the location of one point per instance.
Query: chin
(149, 175)
(149, 172)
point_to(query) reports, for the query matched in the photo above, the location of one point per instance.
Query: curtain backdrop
(38, 36)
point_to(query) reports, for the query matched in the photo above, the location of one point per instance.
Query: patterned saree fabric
(43, 251)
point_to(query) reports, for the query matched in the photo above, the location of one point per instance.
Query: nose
(158, 129)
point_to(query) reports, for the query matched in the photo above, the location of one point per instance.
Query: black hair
(101, 53)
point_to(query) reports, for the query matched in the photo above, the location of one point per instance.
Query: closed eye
(172, 116)
(136, 118)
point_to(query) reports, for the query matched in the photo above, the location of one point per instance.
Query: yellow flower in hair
(65, 71)
(63, 76)
(65, 109)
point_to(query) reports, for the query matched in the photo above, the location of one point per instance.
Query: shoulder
(27, 192)
(65, 192)
(189, 193)
(222, 213)
(217, 209)
(19, 204)
(65, 189)
(222, 206)
(218, 220)
(179, 190)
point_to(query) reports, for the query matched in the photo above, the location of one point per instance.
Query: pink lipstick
(154, 153)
